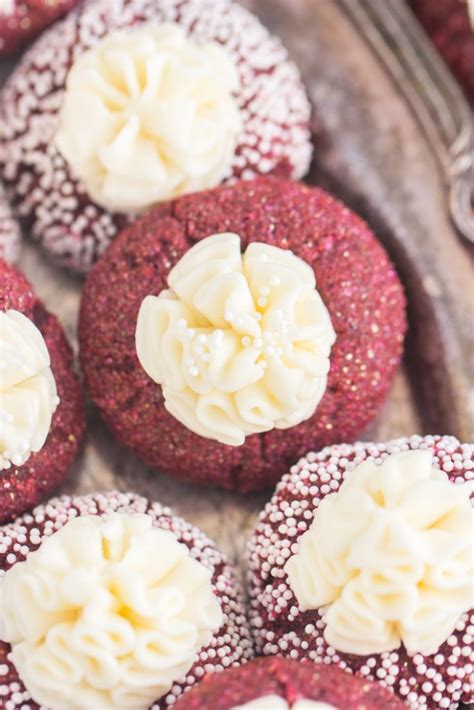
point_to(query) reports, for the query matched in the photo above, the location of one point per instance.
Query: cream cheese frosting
(239, 343)
(28, 396)
(276, 702)
(108, 613)
(162, 119)
(388, 559)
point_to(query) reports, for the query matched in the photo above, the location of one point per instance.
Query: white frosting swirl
(161, 117)
(108, 613)
(240, 344)
(276, 702)
(389, 557)
(28, 397)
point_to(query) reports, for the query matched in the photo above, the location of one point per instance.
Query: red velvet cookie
(363, 560)
(28, 397)
(447, 23)
(22, 20)
(233, 108)
(281, 684)
(140, 599)
(355, 280)
(9, 231)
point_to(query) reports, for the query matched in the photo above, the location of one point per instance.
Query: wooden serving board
(392, 135)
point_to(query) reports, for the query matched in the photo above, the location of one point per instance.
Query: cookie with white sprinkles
(179, 95)
(9, 231)
(363, 558)
(109, 601)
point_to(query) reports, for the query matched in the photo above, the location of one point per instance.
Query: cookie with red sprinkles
(42, 418)
(363, 560)
(233, 107)
(358, 290)
(9, 231)
(140, 608)
(282, 684)
(22, 20)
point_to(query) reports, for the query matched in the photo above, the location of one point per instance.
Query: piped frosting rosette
(28, 395)
(364, 559)
(110, 603)
(239, 343)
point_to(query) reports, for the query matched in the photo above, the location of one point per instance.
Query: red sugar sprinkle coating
(274, 108)
(230, 646)
(441, 680)
(447, 23)
(291, 681)
(354, 276)
(24, 486)
(22, 20)
(9, 231)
